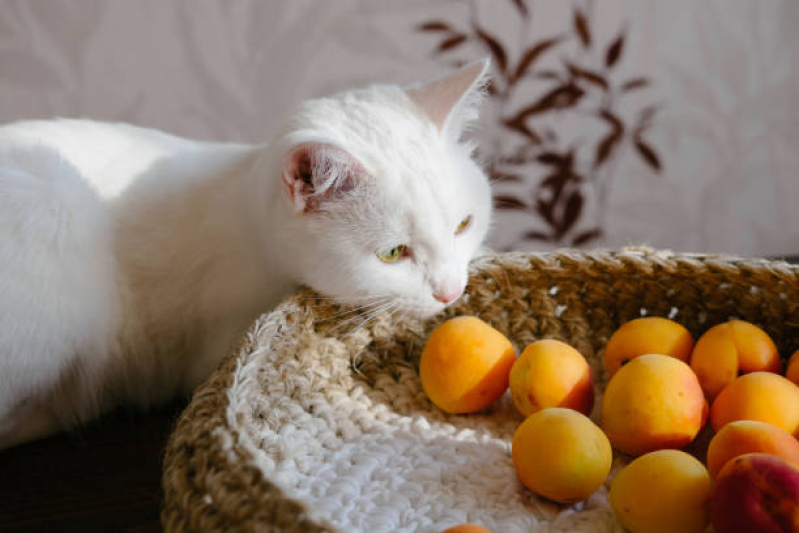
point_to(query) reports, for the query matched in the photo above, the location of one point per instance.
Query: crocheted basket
(317, 423)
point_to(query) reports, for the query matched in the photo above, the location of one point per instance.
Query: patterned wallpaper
(672, 123)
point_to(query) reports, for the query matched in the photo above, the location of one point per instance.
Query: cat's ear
(451, 102)
(315, 173)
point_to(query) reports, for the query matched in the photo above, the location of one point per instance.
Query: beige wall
(721, 75)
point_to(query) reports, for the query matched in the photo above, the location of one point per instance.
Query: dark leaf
(612, 119)
(519, 126)
(531, 55)
(548, 75)
(606, 147)
(648, 154)
(587, 75)
(451, 42)
(555, 184)
(508, 202)
(574, 207)
(586, 236)
(537, 236)
(497, 51)
(633, 84)
(613, 52)
(434, 25)
(566, 95)
(581, 26)
(550, 158)
(545, 210)
(521, 6)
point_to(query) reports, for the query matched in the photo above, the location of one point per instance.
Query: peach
(746, 436)
(465, 364)
(664, 491)
(550, 373)
(728, 350)
(762, 396)
(792, 369)
(644, 336)
(467, 528)
(561, 455)
(653, 402)
(756, 492)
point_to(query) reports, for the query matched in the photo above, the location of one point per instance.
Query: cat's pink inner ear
(439, 98)
(314, 173)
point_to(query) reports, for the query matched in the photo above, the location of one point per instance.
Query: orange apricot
(465, 364)
(644, 336)
(653, 402)
(747, 436)
(561, 455)
(467, 528)
(792, 370)
(550, 373)
(665, 491)
(762, 396)
(727, 350)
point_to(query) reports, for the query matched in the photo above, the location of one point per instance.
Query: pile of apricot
(663, 389)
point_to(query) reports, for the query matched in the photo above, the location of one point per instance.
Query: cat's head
(385, 204)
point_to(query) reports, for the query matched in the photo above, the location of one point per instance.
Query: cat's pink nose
(446, 298)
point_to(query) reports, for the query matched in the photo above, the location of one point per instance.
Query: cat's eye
(463, 225)
(392, 254)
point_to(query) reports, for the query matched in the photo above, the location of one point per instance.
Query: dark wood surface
(104, 477)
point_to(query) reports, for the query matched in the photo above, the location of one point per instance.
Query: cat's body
(131, 261)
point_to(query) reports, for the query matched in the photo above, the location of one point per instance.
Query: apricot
(561, 455)
(792, 369)
(465, 364)
(762, 396)
(756, 492)
(467, 528)
(664, 491)
(653, 402)
(647, 335)
(728, 350)
(550, 373)
(747, 436)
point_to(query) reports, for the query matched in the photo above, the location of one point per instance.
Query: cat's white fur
(131, 261)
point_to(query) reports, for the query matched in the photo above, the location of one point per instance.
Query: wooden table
(105, 477)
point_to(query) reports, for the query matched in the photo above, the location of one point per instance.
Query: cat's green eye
(392, 254)
(463, 225)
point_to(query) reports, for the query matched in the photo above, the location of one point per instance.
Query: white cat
(131, 260)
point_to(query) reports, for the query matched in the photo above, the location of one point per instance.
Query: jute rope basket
(316, 424)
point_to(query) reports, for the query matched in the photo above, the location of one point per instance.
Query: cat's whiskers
(356, 310)
(368, 316)
(339, 299)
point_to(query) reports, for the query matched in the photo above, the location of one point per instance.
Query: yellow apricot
(561, 455)
(653, 402)
(762, 396)
(467, 528)
(665, 491)
(647, 335)
(792, 370)
(749, 436)
(550, 373)
(727, 350)
(465, 364)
